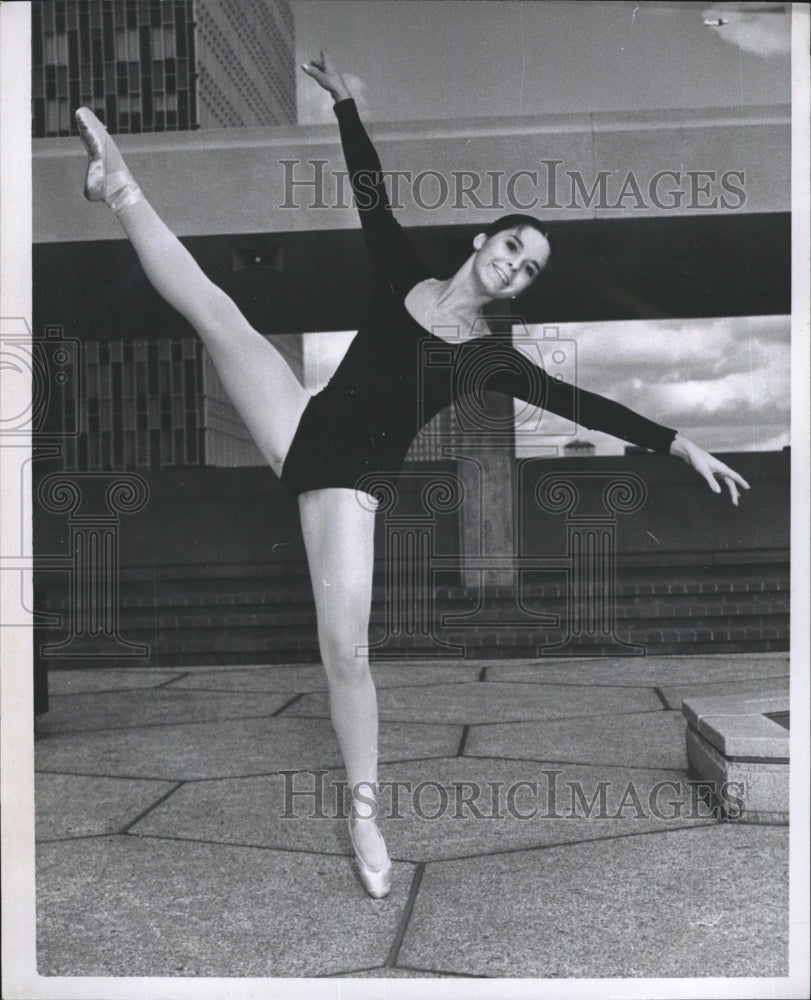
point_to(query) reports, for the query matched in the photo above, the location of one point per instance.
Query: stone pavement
(538, 813)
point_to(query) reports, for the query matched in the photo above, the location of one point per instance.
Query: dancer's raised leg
(338, 528)
(259, 382)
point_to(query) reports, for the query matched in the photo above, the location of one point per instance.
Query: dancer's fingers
(732, 474)
(324, 73)
(729, 475)
(316, 74)
(704, 469)
(733, 489)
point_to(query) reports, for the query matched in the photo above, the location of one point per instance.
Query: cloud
(315, 104)
(764, 32)
(726, 379)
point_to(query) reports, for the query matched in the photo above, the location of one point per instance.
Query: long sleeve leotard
(396, 376)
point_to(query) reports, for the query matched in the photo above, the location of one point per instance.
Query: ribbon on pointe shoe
(126, 193)
(117, 188)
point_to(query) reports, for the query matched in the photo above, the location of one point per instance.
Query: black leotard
(396, 376)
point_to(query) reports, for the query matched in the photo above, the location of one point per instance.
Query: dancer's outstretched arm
(395, 262)
(524, 379)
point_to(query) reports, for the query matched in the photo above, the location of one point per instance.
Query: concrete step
(263, 593)
(187, 585)
(250, 643)
(230, 619)
(170, 627)
(307, 652)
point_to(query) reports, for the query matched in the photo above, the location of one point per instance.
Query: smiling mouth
(505, 280)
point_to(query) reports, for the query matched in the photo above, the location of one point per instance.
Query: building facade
(245, 63)
(157, 66)
(162, 65)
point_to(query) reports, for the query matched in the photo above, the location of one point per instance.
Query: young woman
(363, 422)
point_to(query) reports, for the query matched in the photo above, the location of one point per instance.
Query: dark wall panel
(696, 266)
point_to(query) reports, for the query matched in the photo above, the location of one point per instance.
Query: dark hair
(513, 222)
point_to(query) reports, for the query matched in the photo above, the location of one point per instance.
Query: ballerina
(328, 447)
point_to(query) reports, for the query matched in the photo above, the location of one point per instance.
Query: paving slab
(442, 808)
(675, 696)
(641, 670)
(85, 713)
(227, 748)
(69, 805)
(708, 901)
(311, 677)
(642, 740)
(103, 679)
(493, 702)
(126, 906)
(397, 973)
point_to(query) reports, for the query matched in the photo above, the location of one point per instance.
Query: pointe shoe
(376, 881)
(116, 189)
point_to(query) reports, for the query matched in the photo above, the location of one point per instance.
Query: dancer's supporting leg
(338, 527)
(338, 532)
(257, 379)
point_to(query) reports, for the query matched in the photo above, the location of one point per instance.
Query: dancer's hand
(328, 77)
(709, 467)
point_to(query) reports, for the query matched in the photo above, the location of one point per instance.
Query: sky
(724, 382)
(419, 59)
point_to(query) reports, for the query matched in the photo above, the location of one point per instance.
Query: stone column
(485, 453)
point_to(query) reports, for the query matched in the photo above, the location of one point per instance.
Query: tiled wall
(142, 406)
(162, 65)
(131, 61)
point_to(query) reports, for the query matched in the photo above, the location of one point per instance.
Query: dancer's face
(508, 262)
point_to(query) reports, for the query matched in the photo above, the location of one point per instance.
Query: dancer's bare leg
(338, 528)
(338, 532)
(257, 379)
